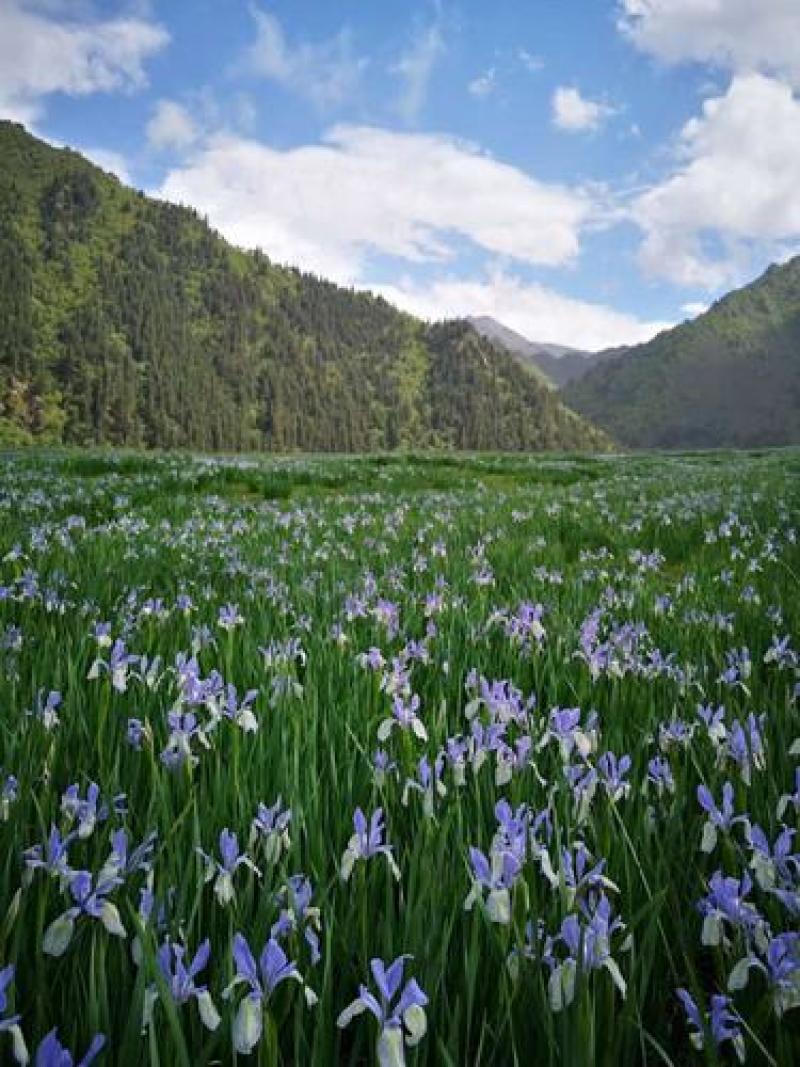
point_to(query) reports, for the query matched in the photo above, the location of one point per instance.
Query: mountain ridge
(129, 321)
(728, 378)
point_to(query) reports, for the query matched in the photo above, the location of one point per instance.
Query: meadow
(437, 760)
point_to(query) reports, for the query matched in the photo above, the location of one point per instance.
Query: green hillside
(729, 378)
(128, 321)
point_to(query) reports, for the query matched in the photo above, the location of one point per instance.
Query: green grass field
(590, 643)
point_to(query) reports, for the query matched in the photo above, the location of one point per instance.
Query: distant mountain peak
(556, 364)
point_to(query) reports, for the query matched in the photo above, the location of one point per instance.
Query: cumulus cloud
(328, 73)
(737, 183)
(415, 68)
(739, 35)
(576, 114)
(43, 53)
(363, 190)
(536, 311)
(171, 126)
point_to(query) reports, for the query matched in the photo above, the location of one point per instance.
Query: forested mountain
(729, 378)
(128, 321)
(557, 364)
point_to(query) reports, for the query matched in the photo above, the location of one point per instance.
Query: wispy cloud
(484, 85)
(328, 72)
(531, 62)
(416, 66)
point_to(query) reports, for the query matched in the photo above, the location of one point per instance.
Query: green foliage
(127, 321)
(691, 556)
(730, 378)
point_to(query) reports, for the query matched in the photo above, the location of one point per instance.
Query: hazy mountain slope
(730, 377)
(129, 321)
(557, 364)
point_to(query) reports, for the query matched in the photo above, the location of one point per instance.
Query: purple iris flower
(659, 774)
(372, 659)
(124, 862)
(273, 968)
(383, 765)
(428, 782)
(229, 617)
(399, 1011)
(223, 870)
(781, 967)
(240, 713)
(587, 939)
(780, 652)
(83, 810)
(405, 717)
(298, 913)
(612, 773)
(723, 1022)
(9, 1024)
(676, 732)
(51, 857)
(581, 875)
(117, 666)
(46, 708)
(495, 875)
(136, 733)
(718, 818)
(714, 720)
(91, 900)
(726, 903)
(773, 863)
(181, 976)
(184, 730)
(366, 842)
(271, 825)
(51, 1053)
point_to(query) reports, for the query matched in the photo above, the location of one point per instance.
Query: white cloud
(328, 206)
(537, 312)
(484, 85)
(694, 308)
(113, 162)
(42, 54)
(740, 35)
(737, 183)
(416, 67)
(574, 113)
(531, 62)
(327, 73)
(171, 127)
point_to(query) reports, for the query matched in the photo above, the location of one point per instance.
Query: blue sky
(586, 171)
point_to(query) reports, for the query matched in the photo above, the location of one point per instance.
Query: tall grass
(701, 556)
